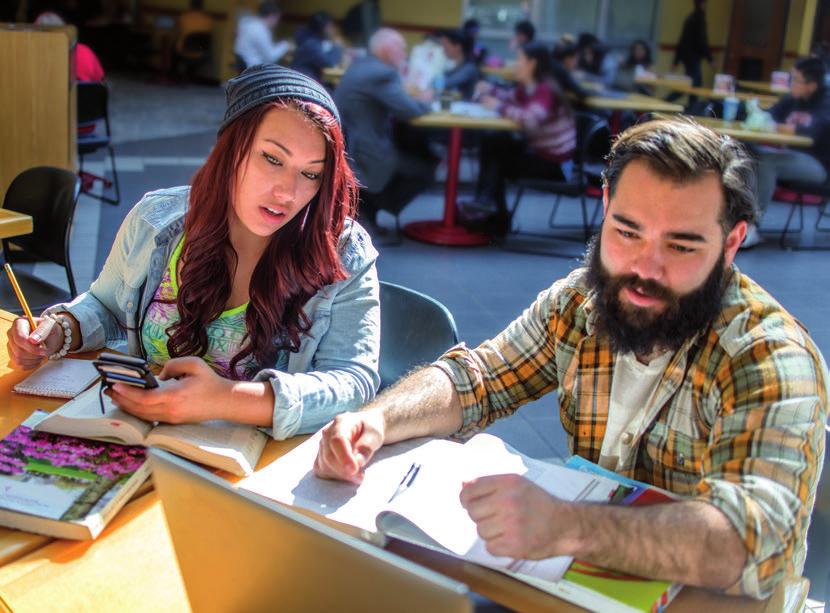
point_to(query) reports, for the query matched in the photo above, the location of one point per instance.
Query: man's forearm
(424, 403)
(691, 542)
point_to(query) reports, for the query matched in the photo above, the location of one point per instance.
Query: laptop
(240, 552)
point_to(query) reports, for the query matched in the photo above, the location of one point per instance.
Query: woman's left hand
(198, 394)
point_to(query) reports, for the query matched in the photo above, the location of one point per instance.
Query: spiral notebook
(64, 378)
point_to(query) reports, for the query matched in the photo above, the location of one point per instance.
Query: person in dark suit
(693, 45)
(369, 96)
(318, 46)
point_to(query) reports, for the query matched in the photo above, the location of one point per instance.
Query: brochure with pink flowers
(64, 486)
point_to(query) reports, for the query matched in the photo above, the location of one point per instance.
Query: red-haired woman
(253, 287)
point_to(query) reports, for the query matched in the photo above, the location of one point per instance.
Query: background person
(252, 287)
(318, 46)
(461, 71)
(693, 44)
(671, 366)
(537, 104)
(370, 96)
(805, 111)
(255, 42)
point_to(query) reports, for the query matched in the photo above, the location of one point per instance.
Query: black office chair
(801, 192)
(415, 329)
(817, 566)
(93, 111)
(49, 195)
(593, 135)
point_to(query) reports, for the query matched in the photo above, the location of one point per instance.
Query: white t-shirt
(255, 44)
(632, 387)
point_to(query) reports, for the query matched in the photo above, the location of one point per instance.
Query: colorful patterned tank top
(225, 334)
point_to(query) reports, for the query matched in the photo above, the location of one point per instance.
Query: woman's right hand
(28, 348)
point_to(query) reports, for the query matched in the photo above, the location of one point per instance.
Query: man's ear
(733, 242)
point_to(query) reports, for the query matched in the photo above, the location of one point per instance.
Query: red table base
(437, 233)
(446, 231)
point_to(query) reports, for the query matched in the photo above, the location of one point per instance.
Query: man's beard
(641, 330)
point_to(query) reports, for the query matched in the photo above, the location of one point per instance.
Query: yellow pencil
(21, 298)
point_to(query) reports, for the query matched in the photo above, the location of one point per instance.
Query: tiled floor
(163, 134)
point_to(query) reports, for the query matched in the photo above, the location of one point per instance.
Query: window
(615, 22)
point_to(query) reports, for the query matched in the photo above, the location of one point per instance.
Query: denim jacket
(336, 366)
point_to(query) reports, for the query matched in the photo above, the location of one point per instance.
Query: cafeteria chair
(93, 112)
(593, 142)
(817, 566)
(415, 329)
(800, 195)
(192, 52)
(49, 195)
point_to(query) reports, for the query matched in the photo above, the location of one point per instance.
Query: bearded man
(672, 367)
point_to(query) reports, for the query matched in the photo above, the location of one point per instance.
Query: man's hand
(349, 442)
(515, 517)
(198, 395)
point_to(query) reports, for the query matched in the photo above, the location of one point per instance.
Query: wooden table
(333, 74)
(685, 87)
(735, 130)
(764, 86)
(507, 73)
(14, 224)
(630, 102)
(446, 231)
(132, 565)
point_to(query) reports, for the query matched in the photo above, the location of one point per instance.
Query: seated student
(537, 103)
(638, 60)
(471, 29)
(254, 42)
(86, 65)
(672, 367)
(565, 56)
(523, 32)
(370, 96)
(806, 111)
(462, 72)
(318, 46)
(252, 287)
(596, 63)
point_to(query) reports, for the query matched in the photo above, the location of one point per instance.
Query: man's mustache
(648, 287)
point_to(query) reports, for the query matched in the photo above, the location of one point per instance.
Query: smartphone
(116, 368)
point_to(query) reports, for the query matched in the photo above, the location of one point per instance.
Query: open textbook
(427, 511)
(232, 447)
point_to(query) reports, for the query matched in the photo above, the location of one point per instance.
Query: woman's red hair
(300, 259)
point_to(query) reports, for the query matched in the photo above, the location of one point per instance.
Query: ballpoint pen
(407, 480)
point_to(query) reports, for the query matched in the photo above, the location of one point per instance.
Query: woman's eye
(313, 176)
(271, 159)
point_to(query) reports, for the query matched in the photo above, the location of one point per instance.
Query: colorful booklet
(599, 589)
(64, 486)
(232, 447)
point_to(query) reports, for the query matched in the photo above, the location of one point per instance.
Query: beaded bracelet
(67, 336)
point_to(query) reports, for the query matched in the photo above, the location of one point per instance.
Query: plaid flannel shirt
(737, 420)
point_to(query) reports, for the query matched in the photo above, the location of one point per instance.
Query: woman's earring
(305, 217)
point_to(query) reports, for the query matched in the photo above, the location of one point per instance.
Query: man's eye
(682, 248)
(626, 234)
(271, 159)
